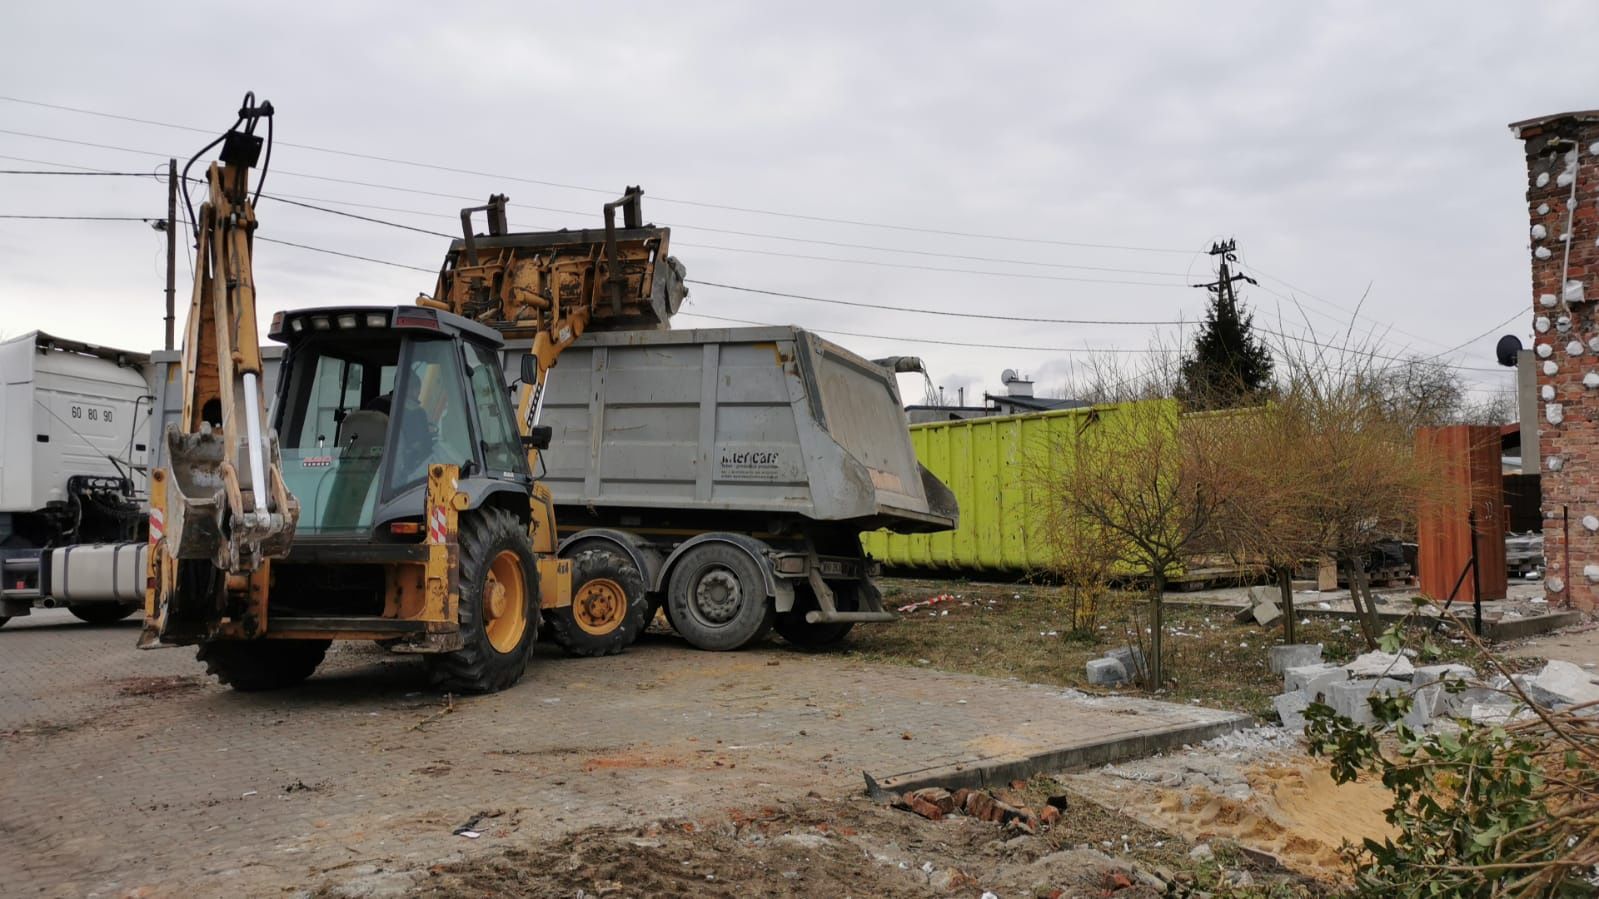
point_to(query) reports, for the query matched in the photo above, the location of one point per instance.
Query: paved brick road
(122, 769)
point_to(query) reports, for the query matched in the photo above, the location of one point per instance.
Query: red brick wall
(1564, 295)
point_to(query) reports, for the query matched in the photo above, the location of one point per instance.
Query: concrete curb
(1000, 770)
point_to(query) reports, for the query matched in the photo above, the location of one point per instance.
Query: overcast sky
(1362, 144)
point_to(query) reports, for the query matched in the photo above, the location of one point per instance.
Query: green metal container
(998, 468)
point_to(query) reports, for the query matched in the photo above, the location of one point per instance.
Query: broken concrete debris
(935, 803)
(1292, 655)
(1313, 680)
(1291, 710)
(1562, 685)
(1438, 693)
(1381, 664)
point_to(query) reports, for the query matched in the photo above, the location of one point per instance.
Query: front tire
(609, 606)
(499, 608)
(102, 612)
(253, 665)
(717, 598)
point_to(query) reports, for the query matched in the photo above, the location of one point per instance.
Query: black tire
(102, 612)
(252, 665)
(609, 606)
(717, 598)
(480, 666)
(793, 627)
(4, 619)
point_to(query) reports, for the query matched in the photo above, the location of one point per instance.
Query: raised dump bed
(678, 446)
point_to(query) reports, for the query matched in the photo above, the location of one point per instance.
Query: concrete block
(1266, 613)
(1106, 672)
(1291, 710)
(1381, 664)
(1348, 698)
(1423, 706)
(1460, 704)
(1295, 677)
(1432, 674)
(1293, 655)
(1261, 594)
(1131, 657)
(1562, 684)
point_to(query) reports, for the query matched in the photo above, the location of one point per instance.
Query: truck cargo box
(772, 421)
(68, 410)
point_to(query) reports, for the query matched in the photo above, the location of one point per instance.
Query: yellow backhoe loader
(389, 491)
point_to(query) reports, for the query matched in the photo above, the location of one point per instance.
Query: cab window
(502, 448)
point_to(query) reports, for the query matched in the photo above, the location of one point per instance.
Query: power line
(915, 311)
(931, 340)
(301, 246)
(44, 172)
(608, 191)
(82, 218)
(731, 249)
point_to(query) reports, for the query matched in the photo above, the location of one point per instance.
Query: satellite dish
(1509, 345)
(1007, 376)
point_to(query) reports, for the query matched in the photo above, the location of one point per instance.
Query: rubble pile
(1438, 693)
(935, 803)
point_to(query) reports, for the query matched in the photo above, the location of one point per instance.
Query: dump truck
(735, 469)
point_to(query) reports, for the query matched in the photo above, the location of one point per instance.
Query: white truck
(74, 442)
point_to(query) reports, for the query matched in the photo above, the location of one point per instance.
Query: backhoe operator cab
(398, 439)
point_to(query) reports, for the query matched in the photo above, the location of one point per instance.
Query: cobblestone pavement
(127, 771)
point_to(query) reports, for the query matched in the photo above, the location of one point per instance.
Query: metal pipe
(1476, 576)
(252, 430)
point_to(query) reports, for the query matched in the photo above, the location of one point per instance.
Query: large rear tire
(102, 612)
(609, 606)
(252, 665)
(718, 599)
(499, 609)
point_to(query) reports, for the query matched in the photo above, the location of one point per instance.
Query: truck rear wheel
(609, 606)
(102, 612)
(717, 598)
(252, 665)
(499, 610)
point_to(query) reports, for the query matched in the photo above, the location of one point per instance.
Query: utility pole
(1222, 287)
(172, 245)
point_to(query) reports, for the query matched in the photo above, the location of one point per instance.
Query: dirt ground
(856, 847)
(1258, 789)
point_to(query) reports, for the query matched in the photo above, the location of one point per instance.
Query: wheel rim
(505, 602)
(600, 606)
(717, 595)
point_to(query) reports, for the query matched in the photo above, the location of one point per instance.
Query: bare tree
(1138, 485)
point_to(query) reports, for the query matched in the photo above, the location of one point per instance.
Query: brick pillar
(1563, 189)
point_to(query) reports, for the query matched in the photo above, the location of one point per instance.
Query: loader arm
(224, 496)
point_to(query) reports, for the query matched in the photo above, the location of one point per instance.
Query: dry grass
(1024, 632)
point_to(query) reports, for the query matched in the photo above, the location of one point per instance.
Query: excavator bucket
(620, 277)
(205, 511)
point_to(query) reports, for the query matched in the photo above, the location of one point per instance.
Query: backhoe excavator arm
(225, 500)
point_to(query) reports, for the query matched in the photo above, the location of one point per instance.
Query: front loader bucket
(205, 514)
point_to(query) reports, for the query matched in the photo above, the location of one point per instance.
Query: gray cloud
(1344, 145)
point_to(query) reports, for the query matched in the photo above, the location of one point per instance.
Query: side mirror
(539, 439)
(530, 368)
